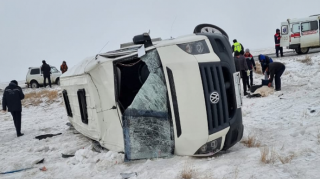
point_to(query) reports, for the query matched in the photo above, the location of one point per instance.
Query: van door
(309, 34)
(294, 35)
(284, 41)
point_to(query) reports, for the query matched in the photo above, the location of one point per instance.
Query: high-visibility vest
(237, 47)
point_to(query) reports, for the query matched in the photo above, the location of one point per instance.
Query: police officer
(237, 47)
(277, 38)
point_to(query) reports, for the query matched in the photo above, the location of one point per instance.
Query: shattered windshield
(147, 121)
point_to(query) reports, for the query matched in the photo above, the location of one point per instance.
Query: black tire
(302, 50)
(58, 81)
(34, 84)
(200, 26)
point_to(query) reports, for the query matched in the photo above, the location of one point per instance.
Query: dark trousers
(244, 81)
(277, 50)
(17, 120)
(278, 79)
(44, 81)
(250, 79)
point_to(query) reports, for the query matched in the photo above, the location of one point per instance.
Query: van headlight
(210, 147)
(195, 48)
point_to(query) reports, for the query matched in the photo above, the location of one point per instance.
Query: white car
(34, 77)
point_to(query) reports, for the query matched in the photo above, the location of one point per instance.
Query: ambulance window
(314, 25)
(284, 30)
(295, 28)
(307, 26)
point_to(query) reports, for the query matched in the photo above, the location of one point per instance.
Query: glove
(248, 73)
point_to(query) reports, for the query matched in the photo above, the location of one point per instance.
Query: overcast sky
(70, 30)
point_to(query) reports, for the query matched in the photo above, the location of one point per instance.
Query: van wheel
(304, 50)
(34, 84)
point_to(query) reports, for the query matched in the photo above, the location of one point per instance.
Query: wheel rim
(304, 50)
(34, 85)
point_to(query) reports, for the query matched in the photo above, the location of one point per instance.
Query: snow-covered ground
(287, 123)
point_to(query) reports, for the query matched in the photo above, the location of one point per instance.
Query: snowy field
(286, 123)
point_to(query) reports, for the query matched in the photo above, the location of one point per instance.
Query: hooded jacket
(264, 61)
(12, 97)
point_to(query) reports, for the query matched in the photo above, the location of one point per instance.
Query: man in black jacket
(275, 70)
(46, 71)
(12, 97)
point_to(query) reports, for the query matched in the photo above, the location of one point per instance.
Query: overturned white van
(179, 96)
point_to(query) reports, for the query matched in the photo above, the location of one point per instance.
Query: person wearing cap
(64, 67)
(237, 47)
(251, 65)
(46, 71)
(242, 67)
(11, 100)
(275, 70)
(277, 38)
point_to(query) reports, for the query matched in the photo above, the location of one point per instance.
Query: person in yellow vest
(64, 67)
(237, 47)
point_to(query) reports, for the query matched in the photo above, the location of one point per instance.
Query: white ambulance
(300, 34)
(178, 96)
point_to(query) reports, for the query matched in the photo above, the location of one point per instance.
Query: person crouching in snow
(12, 97)
(264, 61)
(275, 70)
(242, 67)
(251, 65)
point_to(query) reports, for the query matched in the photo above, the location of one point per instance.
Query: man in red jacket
(277, 38)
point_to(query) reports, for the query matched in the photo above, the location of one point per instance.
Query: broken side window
(147, 121)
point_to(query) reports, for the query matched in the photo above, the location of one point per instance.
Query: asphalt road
(289, 53)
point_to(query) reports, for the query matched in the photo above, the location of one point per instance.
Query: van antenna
(103, 47)
(172, 25)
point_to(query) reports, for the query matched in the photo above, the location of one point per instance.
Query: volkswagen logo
(214, 97)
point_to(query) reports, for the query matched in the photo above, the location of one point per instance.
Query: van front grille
(213, 82)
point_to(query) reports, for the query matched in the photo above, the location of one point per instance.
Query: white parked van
(300, 34)
(179, 96)
(34, 77)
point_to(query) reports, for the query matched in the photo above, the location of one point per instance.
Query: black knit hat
(15, 82)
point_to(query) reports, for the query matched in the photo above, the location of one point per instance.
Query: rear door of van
(284, 41)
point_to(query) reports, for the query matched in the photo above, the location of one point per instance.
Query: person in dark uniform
(275, 70)
(11, 99)
(277, 38)
(46, 71)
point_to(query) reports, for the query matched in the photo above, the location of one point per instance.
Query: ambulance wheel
(304, 50)
(297, 50)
